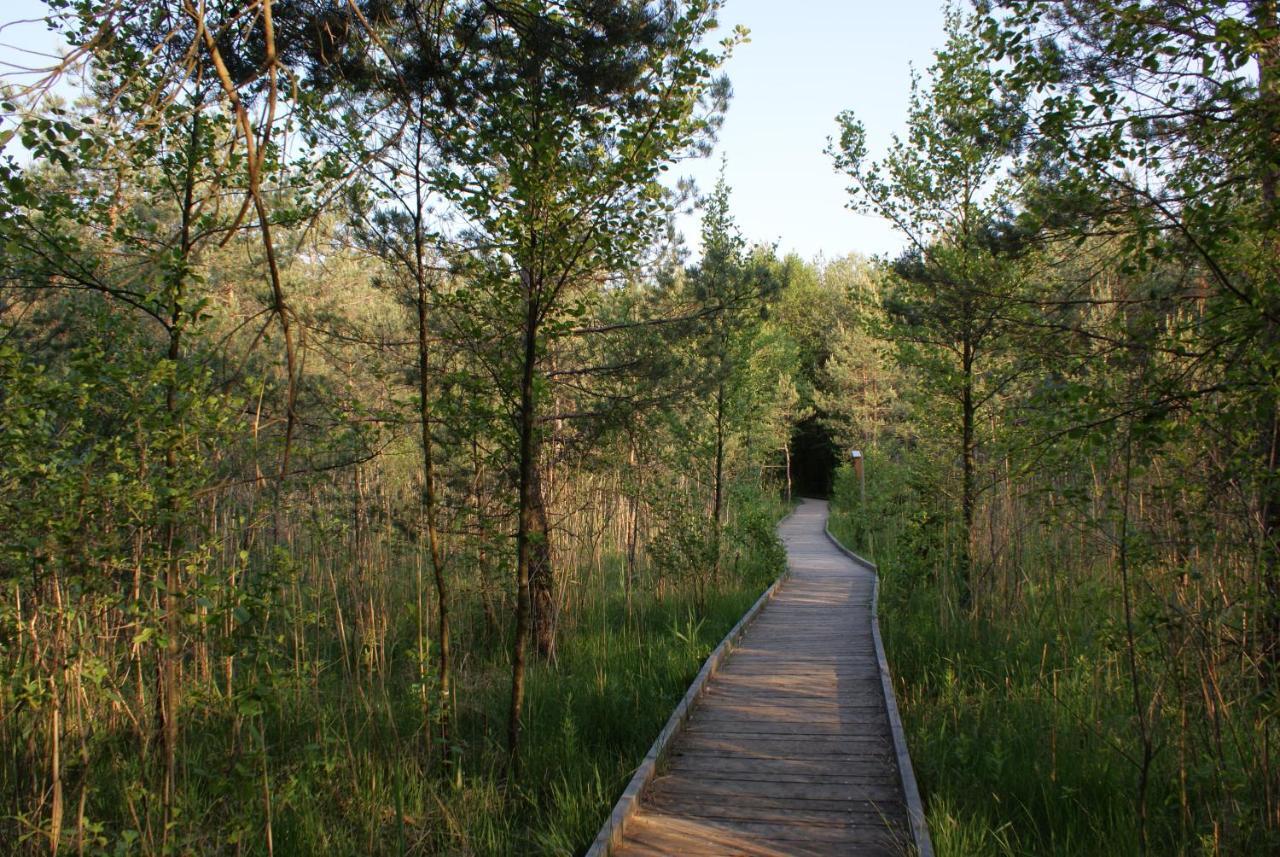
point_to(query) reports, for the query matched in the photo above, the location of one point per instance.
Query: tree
(564, 118)
(133, 260)
(856, 383)
(734, 284)
(948, 187)
(385, 71)
(1156, 123)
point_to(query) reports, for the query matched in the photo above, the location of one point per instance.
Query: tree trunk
(786, 452)
(542, 595)
(167, 697)
(633, 532)
(526, 524)
(429, 508)
(429, 504)
(967, 500)
(1268, 57)
(167, 669)
(717, 503)
(56, 666)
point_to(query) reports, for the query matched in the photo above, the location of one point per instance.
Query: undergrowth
(334, 757)
(1019, 716)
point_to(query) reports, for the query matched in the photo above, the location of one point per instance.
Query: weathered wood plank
(818, 823)
(781, 747)
(767, 699)
(802, 791)
(778, 770)
(751, 806)
(702, 828)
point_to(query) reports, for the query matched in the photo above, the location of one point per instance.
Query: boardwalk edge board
(910, 790)
(611, 833)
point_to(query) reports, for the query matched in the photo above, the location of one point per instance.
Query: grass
(1019, 720)
(345, 777)
(338, 756)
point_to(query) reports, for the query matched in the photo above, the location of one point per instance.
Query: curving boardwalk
(789, 748)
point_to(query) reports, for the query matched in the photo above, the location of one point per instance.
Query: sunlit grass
(1020, 722)
(340, 760)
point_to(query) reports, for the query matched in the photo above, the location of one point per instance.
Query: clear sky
(807, 60)
(24, 40)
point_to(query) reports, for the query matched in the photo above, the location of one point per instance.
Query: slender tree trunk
(786, 452)
(968, 501)
(429, 504)
(717, 501)
(429, 508)
(1268, 57)
(167, 697)
(633, 532)
(526, 525)
(542, 593)
(57, 669)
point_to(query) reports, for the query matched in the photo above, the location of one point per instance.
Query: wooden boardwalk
(789, 749)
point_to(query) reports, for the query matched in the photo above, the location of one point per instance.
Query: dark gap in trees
(813, 459)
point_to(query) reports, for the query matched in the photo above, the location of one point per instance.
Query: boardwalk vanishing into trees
(790, 746)
(394, 414)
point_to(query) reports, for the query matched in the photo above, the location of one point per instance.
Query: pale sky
(807, 60)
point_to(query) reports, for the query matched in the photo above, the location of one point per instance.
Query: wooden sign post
(856, 455)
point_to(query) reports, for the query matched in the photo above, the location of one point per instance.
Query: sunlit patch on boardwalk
(789, 749)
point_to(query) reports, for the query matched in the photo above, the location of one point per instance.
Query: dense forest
(378, 464)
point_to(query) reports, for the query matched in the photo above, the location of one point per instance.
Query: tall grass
(1020, 717)
(348, 781)
(326, 739)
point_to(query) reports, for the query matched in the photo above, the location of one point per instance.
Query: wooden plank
(774, 746)
(760, 666)
(739, 732)
(793, 797)
(821, 736)
(799, 789)
(745, 832)
(819, 772)
(792, 684)
(648, 838)
(765, 700)
(765, 703)
(821, 685)
(764, 812)
(739, 729)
